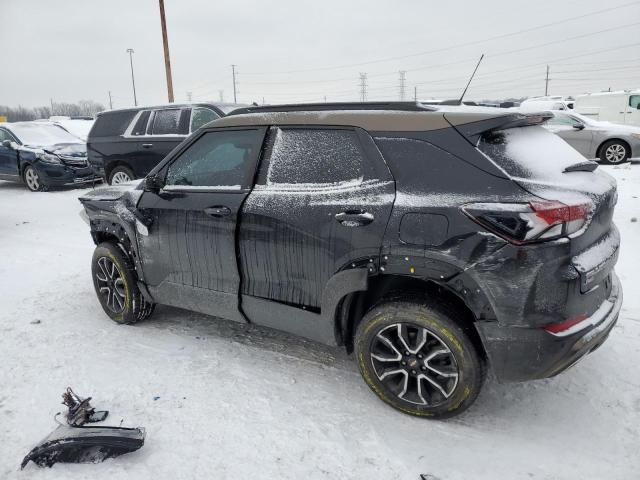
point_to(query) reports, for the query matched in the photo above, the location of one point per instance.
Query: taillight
(529, 222)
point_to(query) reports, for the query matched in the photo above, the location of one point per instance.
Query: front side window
(560, 119)
(315, 157)
(4, 135)
(169, 122)
(217, 159)
(201, 116)
(634, 101)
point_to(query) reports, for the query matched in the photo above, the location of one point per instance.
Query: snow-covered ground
(221, 400)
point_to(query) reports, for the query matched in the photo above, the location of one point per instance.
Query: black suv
(431, 243)
(126, 144)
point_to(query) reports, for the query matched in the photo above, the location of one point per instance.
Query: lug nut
(413, 372)
(403, 363)
(419, 355)
(423, 368)
(406, 353)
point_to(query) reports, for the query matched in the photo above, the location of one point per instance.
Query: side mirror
(153, 183)
(579, 126)
(8, 144)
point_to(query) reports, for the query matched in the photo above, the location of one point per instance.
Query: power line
(475, 42)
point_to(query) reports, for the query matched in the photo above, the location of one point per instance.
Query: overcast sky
(295, 50)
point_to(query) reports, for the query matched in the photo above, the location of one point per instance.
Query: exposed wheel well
(624, 142)
(387, 287)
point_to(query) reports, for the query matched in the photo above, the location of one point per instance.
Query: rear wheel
(32, 180)
(614, 152)
(120, 175)
(416, 358)
(114, 280)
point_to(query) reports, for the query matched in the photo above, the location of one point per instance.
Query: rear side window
(140, 128)
(217, 159)
(170, 122)
(201, 116)
(529, 152)
(634, 101)
(112, 124)
(314, 157)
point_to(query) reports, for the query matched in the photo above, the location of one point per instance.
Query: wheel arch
(108, 168)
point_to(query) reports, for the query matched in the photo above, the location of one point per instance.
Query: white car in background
(607, 142)
(551, 102)
(620, 107)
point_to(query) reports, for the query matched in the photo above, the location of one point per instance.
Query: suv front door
(321, 203)
(189, 254)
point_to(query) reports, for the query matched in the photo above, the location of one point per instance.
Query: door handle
(147, 145)
(354, 218)
(218, 211)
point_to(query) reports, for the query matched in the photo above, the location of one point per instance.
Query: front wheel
(32, 180)
(114, 280)
(614, 152)
(416, 358)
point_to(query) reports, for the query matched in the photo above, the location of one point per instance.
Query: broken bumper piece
(84, 445)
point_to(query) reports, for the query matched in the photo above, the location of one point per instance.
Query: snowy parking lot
(224, 400)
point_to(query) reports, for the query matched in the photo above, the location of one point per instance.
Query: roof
(393, 117)
(220, 105)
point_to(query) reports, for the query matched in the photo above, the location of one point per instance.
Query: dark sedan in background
(42, 155)
(126, 144)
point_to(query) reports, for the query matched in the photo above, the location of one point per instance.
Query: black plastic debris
(75, 443)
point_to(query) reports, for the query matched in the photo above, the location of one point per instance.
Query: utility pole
(325, 99)
(221, 94)
(415, 93)
(233, 73)
(188, 96)
(133, 80)
(402, 84)
(51, 100)
(165, 44)
(546, 83)
(110, 101)
(363, 87)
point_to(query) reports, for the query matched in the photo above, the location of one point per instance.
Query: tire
(121, 175)
(614, 152)
(412, 388)
(32, 180)
(115, 283)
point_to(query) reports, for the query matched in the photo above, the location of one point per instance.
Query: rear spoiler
(473, 130)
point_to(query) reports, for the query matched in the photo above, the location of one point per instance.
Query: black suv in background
(431, 243)
(126, 144)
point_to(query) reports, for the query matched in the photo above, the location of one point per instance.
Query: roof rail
(315, 107)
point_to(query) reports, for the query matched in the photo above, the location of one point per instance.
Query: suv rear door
(321, 203)
(189, 255)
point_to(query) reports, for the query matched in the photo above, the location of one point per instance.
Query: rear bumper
(520, 354)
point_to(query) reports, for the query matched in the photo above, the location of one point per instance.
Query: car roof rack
(319, 107)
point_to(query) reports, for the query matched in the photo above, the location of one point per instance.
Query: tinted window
(634, 101)
(201, 116)
(140, 128)
(217, 159)
(167, 122)
(112, 124)
(319, 157)
(529, 152)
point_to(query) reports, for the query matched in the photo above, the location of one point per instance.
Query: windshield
(42, 134)
(529, 152)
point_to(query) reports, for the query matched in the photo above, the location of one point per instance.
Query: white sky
(76, 49)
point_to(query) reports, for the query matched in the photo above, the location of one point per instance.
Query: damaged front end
(75, 443)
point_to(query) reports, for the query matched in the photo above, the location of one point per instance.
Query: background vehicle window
(112, 124)
(201, 116)
(169, 122)
(217, 159)
(140, 128)
(318, 157)
(634, 101)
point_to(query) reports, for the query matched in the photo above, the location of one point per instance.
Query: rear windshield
(529, 152)
(112, 124)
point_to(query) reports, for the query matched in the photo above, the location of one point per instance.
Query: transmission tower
(402, 84)
(363, 87)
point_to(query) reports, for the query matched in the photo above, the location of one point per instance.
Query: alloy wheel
(111, 285)
(415, 364)
(615, 153)
(120, 177)
(32, 178)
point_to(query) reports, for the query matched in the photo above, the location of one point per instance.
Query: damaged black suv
(431, 243)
